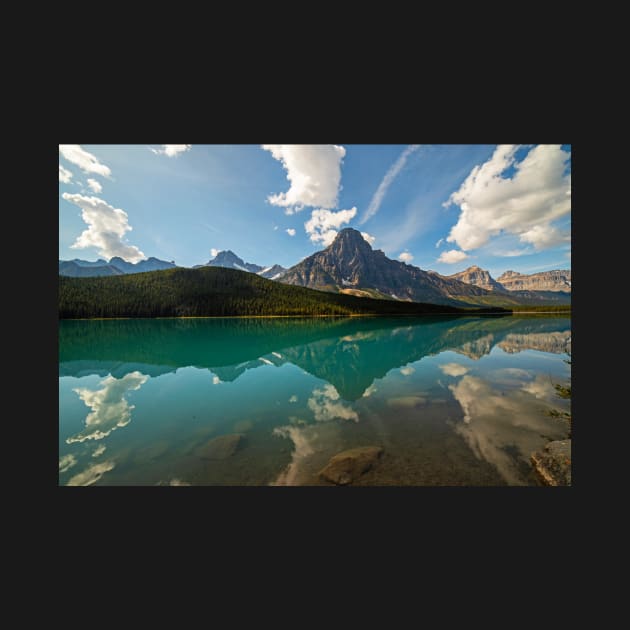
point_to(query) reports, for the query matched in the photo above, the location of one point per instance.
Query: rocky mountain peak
(478, 277)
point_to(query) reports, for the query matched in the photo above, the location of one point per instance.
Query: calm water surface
(452, 401)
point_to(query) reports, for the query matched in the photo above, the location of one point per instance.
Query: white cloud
(110, 409)
(213, 252)
(290, 231)
(368, 237)
(67, 462)
(390, 176)
(107, 226)
(405, 257)
(526, 204)
(452, 256)
(94, 185)
(325, 405)
(321, 226)
(64, 175)
(99, 450)
(407, 370)
(440, 241)
(172, 150)
(372, 389)
(216, 380)
(314, 171)
(454, 369)
(275, 227)
(293, 399)
(91, 475)
(511, 253)
(84, 160)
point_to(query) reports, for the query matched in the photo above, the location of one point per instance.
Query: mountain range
(115, 267)
(349, 265)
(229, 260)
(557, 280)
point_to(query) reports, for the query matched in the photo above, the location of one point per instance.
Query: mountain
(350, 265)
(557, 280)
(329, 348)
(212, 291)
(150, 264)
(230, 260)
(77, 268)
(273, 273)
(479, 277)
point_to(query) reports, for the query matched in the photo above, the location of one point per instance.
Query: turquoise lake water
(452, 401)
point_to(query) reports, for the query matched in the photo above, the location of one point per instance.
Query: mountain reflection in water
(452, 400)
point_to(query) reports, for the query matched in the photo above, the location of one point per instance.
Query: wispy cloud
(390, 176)
(64, 175)
(171, 150)
(84, 160)
(94, 185)
(107, 226)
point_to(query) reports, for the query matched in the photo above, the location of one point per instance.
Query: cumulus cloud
(390, 176)
(172, 150)
(110, 409)
(407, 370)
(453, 369)
(525, 204)
(452, 256)
(213, 252)
(107, 226)
(94, 185)
(502, 426)
(64, 175)
(368, 237)
(325, 405)
(405, 257)
(314, 172)
(84, 160)
(321, 226)
(290, 231)
(372, 389)
(91, 474)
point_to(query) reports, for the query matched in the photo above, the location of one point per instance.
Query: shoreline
(514, 314)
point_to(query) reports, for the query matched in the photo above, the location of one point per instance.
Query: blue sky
(441, 207)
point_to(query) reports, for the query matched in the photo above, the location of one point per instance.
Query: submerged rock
(553, 464)
(347, 466)
(220, 447)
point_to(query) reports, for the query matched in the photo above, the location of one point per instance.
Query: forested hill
(213, 291)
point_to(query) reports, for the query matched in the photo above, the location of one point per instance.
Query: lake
(452, 401)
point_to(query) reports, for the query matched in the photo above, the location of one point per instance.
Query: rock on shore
(553, 464)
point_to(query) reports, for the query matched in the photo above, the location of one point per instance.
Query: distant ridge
(78, 268)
